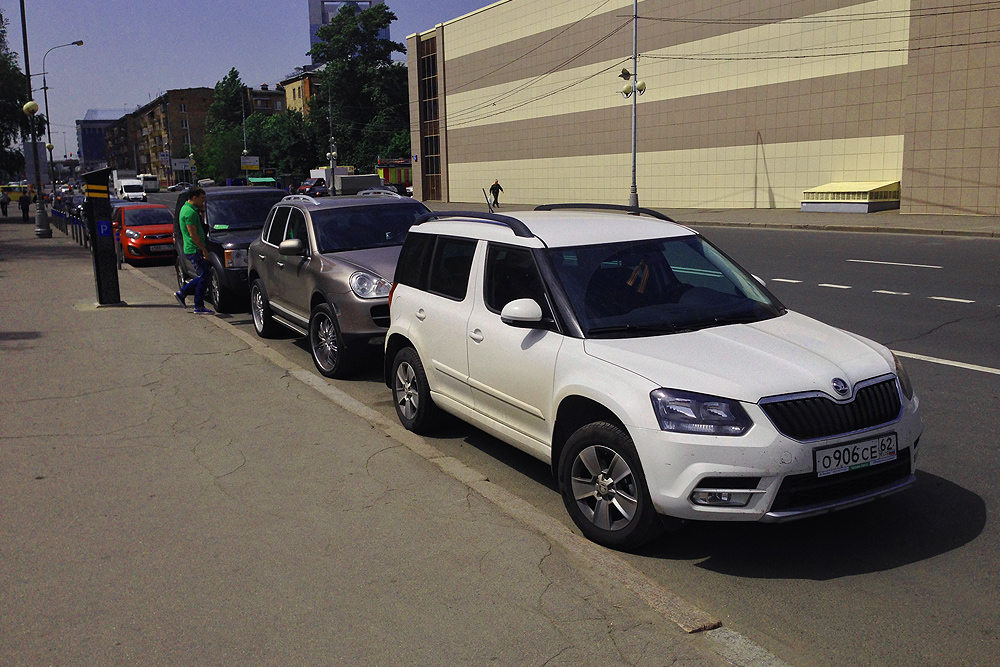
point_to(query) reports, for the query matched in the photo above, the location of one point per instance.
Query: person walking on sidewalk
(4, 202)
(24, 202)
(495, 190)
(195, 249)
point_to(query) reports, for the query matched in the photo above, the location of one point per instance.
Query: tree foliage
(363, 95)
(11, 100)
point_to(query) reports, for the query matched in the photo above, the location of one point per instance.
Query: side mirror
(523, 313)
(292, 247)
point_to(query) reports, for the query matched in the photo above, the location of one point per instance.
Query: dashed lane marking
(885, 291)
(835, 286)
(872, 261)
(948, 362)
(785, 280)
(952, 299)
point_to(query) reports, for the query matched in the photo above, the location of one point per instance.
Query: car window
(276, 231)
(414, 258)
(450, 267)
(240, 212)
(140, 217)
(511, 274)
(361, 227)
(296, 228)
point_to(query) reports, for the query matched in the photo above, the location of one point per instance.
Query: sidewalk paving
(172, 497)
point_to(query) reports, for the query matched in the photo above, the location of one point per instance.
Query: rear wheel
(604, 488)
(263, 323)
(329, 352)
(411, 394)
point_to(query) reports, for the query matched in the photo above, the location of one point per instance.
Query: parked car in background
(179, 186)
(234, 216)
(659, 380)
(322, 268)
(313, 187)
(143, 232)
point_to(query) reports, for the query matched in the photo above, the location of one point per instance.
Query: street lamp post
(633, 89)
(45, 91)
(42, 229)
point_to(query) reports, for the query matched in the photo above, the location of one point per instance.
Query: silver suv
(656, 376)
(321, 269)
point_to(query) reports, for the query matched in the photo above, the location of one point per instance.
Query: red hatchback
(143, 231)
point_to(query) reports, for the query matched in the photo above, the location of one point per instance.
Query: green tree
(284, 142)
(227, 108)
(220, 158)
(363, 97)
(13, 122)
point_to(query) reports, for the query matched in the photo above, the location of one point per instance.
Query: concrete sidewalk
(888, 222)
(176, 494)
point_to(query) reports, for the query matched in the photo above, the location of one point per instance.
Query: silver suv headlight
(369, 286)
(688, 412)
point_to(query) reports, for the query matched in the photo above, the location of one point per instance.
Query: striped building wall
(747, 103)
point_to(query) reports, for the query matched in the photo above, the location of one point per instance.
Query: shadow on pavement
(931, 518)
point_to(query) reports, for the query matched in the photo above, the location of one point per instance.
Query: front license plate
(842, 458)
(161, 248)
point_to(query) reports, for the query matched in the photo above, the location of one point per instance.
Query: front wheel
(120, 255)
(604, 488)
(263, 323)
(221, 296)
(329, 352)
(411, 394)
(179, 270)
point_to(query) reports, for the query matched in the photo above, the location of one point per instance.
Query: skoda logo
(841, 387)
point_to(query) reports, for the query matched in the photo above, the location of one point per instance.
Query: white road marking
(872, 261)
(947, 362)
(835, 286)
(885, 291)
(948, 298)
(784, 280)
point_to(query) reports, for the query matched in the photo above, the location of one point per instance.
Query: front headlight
(687, 412)
(132, 234)
(904, 378)
(369, 286)
(236, 258)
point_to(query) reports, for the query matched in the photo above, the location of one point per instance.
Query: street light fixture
(45, 90)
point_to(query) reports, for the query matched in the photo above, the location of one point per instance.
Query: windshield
(364, 226)
(141, 217)
(658, 286)
(246, 212)
(132, 188)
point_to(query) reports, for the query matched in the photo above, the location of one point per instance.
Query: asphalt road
(910, 580)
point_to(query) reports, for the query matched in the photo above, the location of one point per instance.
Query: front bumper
(775, 472)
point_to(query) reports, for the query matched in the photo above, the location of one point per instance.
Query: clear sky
(135, 49)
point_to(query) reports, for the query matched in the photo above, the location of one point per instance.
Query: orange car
(142, 232)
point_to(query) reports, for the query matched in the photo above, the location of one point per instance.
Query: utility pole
(42, 229)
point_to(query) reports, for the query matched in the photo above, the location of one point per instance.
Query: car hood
(787, 354)
(235, 238)
(380, 260)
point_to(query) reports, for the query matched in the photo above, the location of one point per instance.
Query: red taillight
(391, 290)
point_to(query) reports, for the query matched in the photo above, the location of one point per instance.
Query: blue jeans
(197, 284)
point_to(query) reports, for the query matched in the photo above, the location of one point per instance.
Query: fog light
(720, 498)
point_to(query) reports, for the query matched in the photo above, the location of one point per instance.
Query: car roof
(324, 203)
(558, 229)
(229, 191)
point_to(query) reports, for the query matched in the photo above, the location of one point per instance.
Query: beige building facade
(747, 104)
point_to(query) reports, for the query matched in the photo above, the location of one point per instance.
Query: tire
(120, 256)
(179, 270)
(218, 293)
(604, 488)
(329, 352)
(411, 394)
(263, 323)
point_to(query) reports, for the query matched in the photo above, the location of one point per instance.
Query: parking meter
(97, 211)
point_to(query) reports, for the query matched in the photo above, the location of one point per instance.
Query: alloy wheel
(405, 390)
(604, 487)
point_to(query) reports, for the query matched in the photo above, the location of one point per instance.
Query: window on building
(184, 123)
(184, 108)
(430, 139)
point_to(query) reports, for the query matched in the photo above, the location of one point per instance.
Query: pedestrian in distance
(4, 202)
(495, 190)
(24, 202)
(195, 249)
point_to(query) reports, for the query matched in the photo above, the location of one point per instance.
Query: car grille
(380, 315)
(820, 417)
(799, 491)
(159, 236)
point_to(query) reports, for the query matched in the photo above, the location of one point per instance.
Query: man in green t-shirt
(195, 249)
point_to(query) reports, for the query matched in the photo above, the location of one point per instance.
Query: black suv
(234, 217)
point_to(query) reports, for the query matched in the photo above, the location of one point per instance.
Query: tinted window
(450, 267)
(147, 216)
(415, 256)
(276, 231)
(246, 212)
(362, 227)
(511, 274)
(296, 227)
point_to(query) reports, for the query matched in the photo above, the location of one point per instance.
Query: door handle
(262, 256)
(476, 335)
(421, 315)
(280, 264)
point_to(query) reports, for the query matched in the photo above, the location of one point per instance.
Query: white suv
(657, 377)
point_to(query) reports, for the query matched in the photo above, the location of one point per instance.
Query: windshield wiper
(662, 328)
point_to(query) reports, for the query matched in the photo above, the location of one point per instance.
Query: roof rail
(631, 210)
(379, 192)
(516, 226)
(305, 198)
